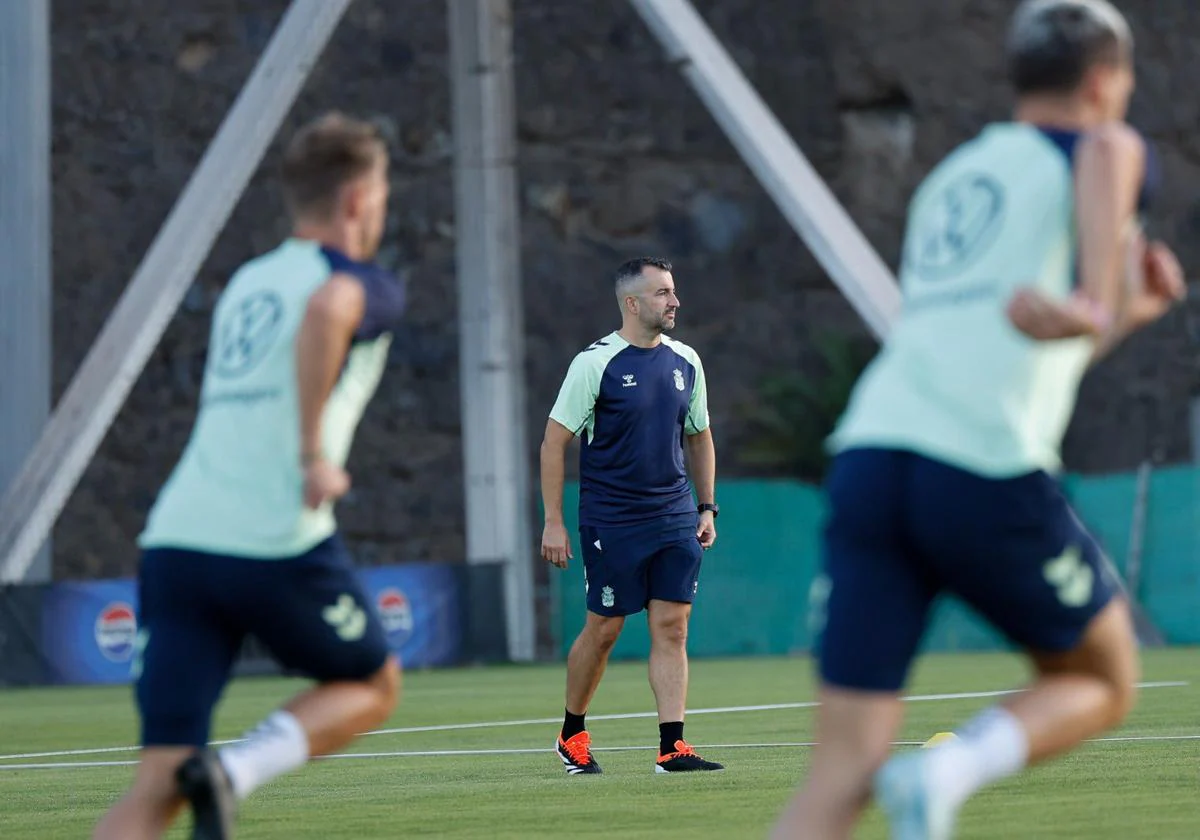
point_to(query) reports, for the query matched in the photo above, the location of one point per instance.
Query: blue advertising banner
(89, 629)
(420, 611)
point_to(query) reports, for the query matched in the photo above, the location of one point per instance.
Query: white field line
(454, 727)
(77, 765)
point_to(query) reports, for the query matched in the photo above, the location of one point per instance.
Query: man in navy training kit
(634, 397)
(242, 539)
(1023, 263)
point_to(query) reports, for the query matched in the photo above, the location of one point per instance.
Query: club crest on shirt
(678, 379)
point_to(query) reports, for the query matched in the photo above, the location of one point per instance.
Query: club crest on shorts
(347, 618)
(606, 596)
(679, 384)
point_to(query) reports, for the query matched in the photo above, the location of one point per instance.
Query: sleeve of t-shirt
(697, 418)
(384, 304)
(577, 397)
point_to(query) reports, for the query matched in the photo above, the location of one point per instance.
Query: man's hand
(556, 547)
(1044, 319)
(324, 482)
(1163, 284)
(706, 531)
(1156, 284)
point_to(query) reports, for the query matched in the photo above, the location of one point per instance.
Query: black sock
(572, 725)
(668, 734)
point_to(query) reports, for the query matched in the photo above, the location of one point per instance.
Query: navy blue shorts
(903, 529)
(626, 567)
(196, 609)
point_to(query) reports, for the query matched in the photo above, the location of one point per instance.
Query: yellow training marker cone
(939, 738)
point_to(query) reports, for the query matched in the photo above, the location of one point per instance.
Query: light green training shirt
(955, 380)
(237, 488)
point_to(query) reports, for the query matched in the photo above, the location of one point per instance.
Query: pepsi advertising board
(418, 606)
(90, 629)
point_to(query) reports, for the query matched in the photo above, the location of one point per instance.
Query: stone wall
(617, 158)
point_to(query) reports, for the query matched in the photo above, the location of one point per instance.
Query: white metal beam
(96, 393)
(25, 279)
(788, 177)
(499, 507)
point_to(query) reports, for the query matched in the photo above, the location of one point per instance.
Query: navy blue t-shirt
(632, 407)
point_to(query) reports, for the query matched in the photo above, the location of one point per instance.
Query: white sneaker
(913, 808)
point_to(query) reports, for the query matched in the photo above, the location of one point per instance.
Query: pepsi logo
(395, 612)
(116, 631)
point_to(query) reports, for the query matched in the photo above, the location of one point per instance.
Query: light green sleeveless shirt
(955, 380)
(237, 488)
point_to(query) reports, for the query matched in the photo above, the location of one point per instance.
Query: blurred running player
(242, 539)
(1021, 265)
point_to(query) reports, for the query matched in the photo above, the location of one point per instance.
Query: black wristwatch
(716, 509)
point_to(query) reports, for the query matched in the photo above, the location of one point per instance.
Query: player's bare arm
(1108, 176)
(1125, 284)
(556, 546)
(1144, 279)
(333, 313)
(702, 464)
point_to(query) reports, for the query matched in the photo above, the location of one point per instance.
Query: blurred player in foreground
(1022, 264)
(242, 539)
(634, 397)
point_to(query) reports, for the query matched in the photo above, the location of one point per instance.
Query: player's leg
(668, 665)
(335, 712)
(1039, 577)
(871, 604)
(673, 576)
(1074, 696)
(313, 616)
(586, 663)
(613, 591)
(152, 802)
(183, 660)
(854, 732)
(588, 657)
(1083, 692)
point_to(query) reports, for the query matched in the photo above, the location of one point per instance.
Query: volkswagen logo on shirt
(246, 333)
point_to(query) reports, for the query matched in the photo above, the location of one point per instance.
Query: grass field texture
(441, 782)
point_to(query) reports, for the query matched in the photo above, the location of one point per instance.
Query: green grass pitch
(1143, 787)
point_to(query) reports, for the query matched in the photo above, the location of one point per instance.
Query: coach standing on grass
(634, 398)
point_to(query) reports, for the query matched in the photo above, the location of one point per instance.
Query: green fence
(753, 596)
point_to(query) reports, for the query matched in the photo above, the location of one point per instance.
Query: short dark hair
(632, 269)
(1053, 43)
(324, 156)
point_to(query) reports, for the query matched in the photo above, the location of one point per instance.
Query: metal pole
(775, 159)
(499, 507)
(94, 396)
(25, 276)
(1148, 633)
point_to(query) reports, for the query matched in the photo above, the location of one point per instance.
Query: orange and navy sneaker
(576, 754)
(684, 760)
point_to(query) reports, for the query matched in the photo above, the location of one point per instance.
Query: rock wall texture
(617, 157)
